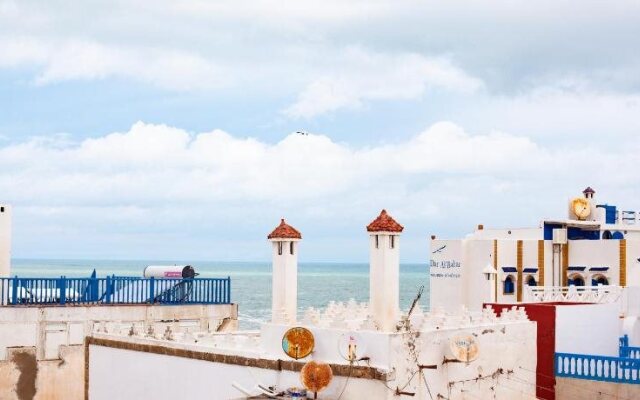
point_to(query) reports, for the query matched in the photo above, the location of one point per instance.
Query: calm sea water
(318, 283)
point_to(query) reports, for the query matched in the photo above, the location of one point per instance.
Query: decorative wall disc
(298, 342)
(464, 348)
(316, 376)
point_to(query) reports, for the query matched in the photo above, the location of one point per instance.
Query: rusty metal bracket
(401, 393)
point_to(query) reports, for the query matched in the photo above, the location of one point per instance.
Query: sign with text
(446, 274)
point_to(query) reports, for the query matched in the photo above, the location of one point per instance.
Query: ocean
(318, 283)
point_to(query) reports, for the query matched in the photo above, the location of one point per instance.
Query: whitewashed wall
(588, 329)
(592, 253)
(502, 347)
(476, 289)
(152, 376)
(633, 265)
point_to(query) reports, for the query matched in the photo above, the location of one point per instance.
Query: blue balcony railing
(114, 290)
(624, 341)
(598, 368)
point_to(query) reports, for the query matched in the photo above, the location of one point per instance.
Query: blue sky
(165, 130)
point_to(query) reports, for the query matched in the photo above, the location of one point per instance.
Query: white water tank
(169, 271)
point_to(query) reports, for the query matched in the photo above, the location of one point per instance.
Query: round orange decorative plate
(298, 342)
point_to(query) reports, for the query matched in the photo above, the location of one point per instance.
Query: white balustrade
(577, 294)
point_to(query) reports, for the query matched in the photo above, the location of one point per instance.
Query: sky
(170, 130)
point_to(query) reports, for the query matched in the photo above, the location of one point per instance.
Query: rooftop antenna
(415, 300)
(405, 319)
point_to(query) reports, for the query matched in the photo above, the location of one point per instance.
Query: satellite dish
(581, 208)
(464, 348)
(316, 376)
(298, 342)
(350, 346)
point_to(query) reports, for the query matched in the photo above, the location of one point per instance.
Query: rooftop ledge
(180, 350)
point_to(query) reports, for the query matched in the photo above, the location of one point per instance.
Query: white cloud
(560, 114)
(317, 59)
(149, 163)
(363, 76)
(157, 181)
(64, 60)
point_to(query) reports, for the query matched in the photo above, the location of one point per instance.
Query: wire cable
(426, 384)
(347, 381)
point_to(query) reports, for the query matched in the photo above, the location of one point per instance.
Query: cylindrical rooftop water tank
(169, 271)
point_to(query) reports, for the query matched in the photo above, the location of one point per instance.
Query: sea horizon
(318, 282)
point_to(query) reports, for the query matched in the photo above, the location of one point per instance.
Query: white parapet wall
(417, 361)
(42, 348)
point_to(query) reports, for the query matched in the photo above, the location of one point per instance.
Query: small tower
(284, 284)
(384, 271)
(5, 240)
(589, 193)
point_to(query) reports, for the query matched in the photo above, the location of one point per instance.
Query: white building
(5, 240)
(596, 244)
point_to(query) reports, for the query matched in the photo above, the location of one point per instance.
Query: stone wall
(42, 348)
(580, 389)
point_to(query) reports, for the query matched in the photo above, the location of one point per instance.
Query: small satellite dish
(298, 342)
(464, 348)
(350, 346)
(316, 376)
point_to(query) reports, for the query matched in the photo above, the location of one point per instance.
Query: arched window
(392, 241)
(291, 248)
(617, 235)
(377, 241)
(599, 280)
(606, 235)
(576, 280)
(509, 286)
(531, 281)
(279, 248)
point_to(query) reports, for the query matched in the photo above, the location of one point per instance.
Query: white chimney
(384, 271)
(284, 284)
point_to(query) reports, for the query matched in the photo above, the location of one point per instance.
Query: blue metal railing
(114, 290)
(630, 352)
(624, 341)
(627, 351)
(597, 368)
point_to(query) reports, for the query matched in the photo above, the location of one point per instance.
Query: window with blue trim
(617, 235)
(509, 286)
(576, 280)
(599, 280)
